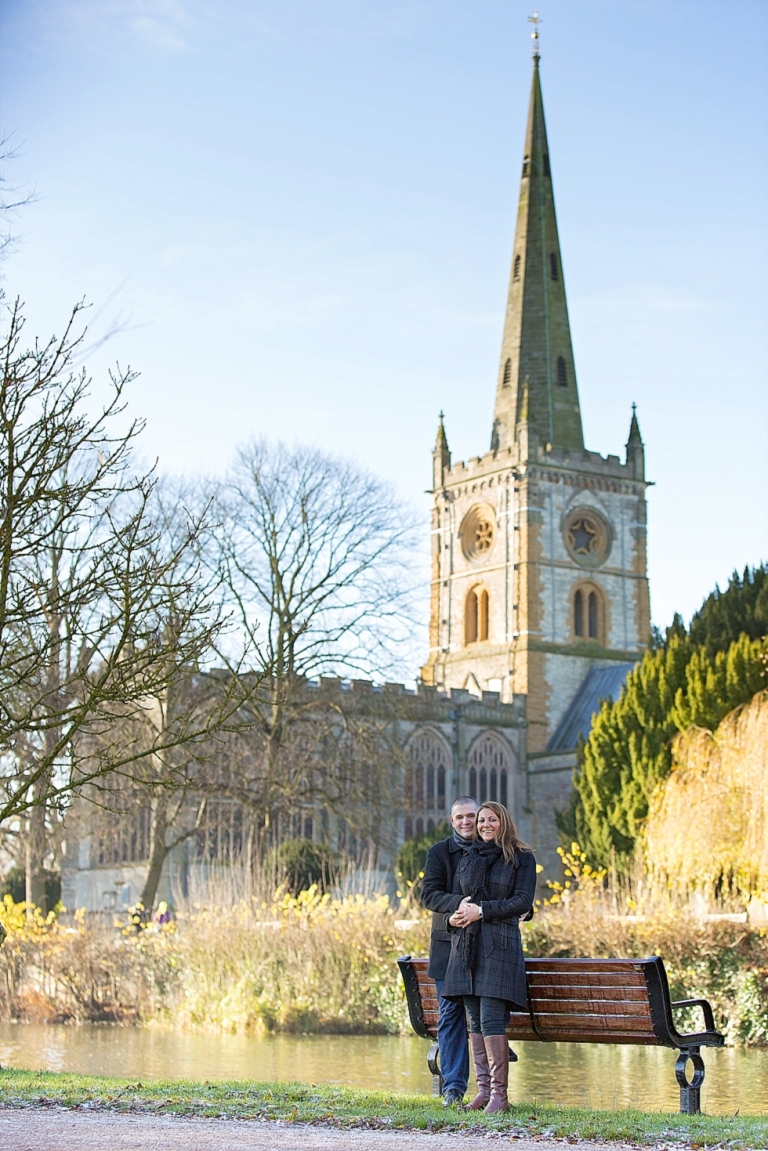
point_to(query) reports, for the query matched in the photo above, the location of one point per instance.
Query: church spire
(441, 456)
(537, 337)
(635, 447)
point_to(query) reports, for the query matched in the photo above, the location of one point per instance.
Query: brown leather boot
(482, 1072)
(497, 1049)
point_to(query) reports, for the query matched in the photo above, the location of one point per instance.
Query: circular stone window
(477, 532)
(587, 537)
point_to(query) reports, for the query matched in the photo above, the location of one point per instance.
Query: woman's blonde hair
(508, 839)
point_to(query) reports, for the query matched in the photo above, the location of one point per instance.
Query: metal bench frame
(532, 1026)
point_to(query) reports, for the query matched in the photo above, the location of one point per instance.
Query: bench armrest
(709, 1019)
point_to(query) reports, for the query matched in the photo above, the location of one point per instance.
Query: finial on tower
(535, 20)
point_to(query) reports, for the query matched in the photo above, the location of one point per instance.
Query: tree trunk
(36, 846)
(157, 854)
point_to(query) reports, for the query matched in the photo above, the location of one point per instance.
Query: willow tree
(693, 679)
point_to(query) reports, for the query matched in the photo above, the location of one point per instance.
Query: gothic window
(419, 827)
(489, 769)
(587, 613)
(516, 270)
(430, 825)
(476, 612)
(578, 613)
(553, 273)
(121, 827)
(220, 834)
(507, 374)
(408, 827)
(562, 374)
(427, 763)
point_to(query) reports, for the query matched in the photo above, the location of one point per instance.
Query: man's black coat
(436, 895)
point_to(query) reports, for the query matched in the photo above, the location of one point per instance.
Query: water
(593, 1076)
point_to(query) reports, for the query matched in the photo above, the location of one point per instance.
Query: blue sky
(301, 213)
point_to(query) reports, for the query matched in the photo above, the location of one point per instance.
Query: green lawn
(350, 1107)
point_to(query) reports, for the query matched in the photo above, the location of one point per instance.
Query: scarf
(482, 857)
(460, 841)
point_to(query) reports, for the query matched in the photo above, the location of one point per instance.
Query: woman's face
(488, 824)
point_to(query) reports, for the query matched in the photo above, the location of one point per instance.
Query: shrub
(410, 859)
(300, 864)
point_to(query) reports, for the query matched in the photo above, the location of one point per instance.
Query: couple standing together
(478, 884)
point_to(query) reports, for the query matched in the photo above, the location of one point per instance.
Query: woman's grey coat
(500, 967)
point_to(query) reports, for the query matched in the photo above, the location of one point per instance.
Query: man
(436, 895)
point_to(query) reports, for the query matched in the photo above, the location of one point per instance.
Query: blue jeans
(453, 1043)
(487, 1016)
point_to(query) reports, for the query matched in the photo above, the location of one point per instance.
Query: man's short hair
(464, 799)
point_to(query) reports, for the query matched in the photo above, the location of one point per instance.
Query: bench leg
(433, 1063)
(690, 1091)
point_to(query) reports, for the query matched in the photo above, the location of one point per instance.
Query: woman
(497, 877)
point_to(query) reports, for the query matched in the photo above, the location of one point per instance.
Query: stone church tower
(538, 546)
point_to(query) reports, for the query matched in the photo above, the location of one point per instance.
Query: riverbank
(313, 964)
(347, 1108)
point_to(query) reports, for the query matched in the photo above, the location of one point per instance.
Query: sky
(296, 218)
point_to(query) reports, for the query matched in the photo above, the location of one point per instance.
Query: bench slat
(550, 991)
(582, 979)
(575, 1008)
(539, 964)
(548, 1024)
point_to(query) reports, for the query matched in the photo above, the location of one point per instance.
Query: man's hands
(467, 912)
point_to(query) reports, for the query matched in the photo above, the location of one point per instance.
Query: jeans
(452, 1041)
(486, 1015)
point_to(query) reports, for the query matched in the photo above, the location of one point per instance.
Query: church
(539, 606)
(539, 588)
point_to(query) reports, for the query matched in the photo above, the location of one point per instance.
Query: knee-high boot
(482, 1072)
(497, 1049)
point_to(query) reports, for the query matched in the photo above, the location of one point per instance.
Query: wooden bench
(585, 1001)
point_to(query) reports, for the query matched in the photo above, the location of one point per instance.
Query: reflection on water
(606, 1077)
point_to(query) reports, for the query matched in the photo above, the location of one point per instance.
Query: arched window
(408, 829)
(419, 827)
(476, 613)
(507, 374)
(428, 760)
(489, 762)
(516, 270)
(588, 613)
(562, 373)
(430, 825)
(470, 617)
(553, 273)
(578, 613)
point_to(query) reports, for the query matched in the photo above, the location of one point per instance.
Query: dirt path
(58, 1129)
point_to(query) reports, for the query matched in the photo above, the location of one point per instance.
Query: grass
(352, 1108)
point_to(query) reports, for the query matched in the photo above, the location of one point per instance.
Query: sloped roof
(598, 684)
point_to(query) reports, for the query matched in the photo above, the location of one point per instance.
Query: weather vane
(535, 20)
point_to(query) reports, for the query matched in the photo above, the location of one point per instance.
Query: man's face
(463, 819)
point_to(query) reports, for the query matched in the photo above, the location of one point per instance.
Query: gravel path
(59, 1129)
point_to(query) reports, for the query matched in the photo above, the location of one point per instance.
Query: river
(585, 1075)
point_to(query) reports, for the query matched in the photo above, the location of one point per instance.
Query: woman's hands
(467, 912)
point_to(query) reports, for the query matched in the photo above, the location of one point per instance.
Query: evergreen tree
(741, 609)
(692, 678)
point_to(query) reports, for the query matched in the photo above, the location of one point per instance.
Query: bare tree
(102, 614)
(317, 557)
